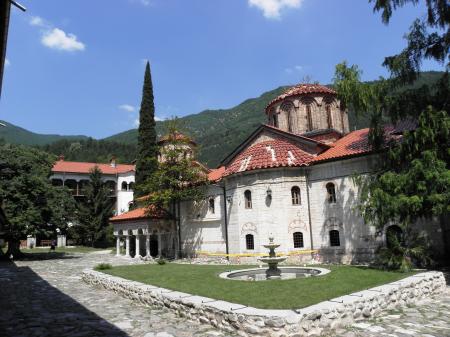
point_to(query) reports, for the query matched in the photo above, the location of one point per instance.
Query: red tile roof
(178, 136)
(269, 154)
(354, 143)
(81, 167)
(141, 213)
(302, 89)
(216, 174)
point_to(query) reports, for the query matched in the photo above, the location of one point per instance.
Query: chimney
(61, 157)
(113, 161)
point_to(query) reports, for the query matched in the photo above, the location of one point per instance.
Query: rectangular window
(211, 205)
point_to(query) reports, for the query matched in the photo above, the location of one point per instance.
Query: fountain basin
(286, 273)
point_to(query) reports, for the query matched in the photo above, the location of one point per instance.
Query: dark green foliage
(94, 151)
(94, 212)
(31, 204)
(147, 150)
(161, 262)
(413, 179)
(103, 266)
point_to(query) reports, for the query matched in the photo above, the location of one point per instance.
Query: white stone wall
(124, 197)
(202, 229)
(357, 239)
(275, 215)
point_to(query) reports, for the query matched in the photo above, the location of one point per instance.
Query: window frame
(298, 239)
(248, 199)
(212, 205)
(298, 197)
(332, 238)
(249, 245)
(331, 197)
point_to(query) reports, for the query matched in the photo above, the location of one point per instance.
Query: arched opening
(111, 185)
(124, 186)
(131, 186)
(331, 193)
(82, 185)
(309, 117)
(248, 199)
(295, 194)
(335, 240)
(394, 236)
(154, 245)
(71, 184)
(211, 205)
(249, 242)
(329, 120)
(288, 108)
(275, 119)
(298, 240)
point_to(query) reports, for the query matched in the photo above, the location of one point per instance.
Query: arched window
(309, 117)
(124, 186)
(131, 186)
(329, 120)
(211, 205)
(331, 191)
(335, 241)
(288, 107)
(295, 193)
(394, 236)
(248, 199)
(275, 119)
(249, 242)
(298, 240)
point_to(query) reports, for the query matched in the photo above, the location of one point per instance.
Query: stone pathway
(48, 298)
(429, 317)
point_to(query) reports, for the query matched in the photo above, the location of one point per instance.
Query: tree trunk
(13, 249)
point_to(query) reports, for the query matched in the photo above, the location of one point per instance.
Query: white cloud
(37, 21)
(136, 121)
(296, 69)
(272, 8)
(58, 39)
(127, 108)
(7, 63)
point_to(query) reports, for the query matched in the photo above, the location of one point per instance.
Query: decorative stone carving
(333, 223)
(249, 227)
(297, 226)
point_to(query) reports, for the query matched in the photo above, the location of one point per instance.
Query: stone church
(292, 178)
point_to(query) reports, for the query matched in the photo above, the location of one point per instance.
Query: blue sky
(76, 66)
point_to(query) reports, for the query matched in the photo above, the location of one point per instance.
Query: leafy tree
(412, 181)
(32, 206)
(94, 211)
(178, 176)
(146, 161)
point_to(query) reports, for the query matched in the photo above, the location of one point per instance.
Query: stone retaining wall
(247, 321)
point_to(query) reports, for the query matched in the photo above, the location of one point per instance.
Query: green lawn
(274, 294)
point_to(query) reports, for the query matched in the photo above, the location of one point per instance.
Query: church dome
(302, 89)
(307, 108)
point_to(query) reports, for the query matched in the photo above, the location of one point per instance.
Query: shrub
(161, 261)
(103, 266)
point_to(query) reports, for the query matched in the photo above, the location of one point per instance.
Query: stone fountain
(272, 260)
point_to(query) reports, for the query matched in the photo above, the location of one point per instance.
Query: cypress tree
(146, 161)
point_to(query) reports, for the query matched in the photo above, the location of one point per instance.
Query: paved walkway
(48, 298)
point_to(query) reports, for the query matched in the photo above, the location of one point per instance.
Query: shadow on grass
(33, 307)
(40, 256)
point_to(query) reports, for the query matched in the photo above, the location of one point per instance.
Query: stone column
(159, 245)
(127, 246)
(118, 245)
(147, 245)
(138, 247)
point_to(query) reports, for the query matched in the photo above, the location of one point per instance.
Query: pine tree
(146, 161)
(95, 211)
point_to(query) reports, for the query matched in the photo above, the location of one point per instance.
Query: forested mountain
(16, 135)
(216, 131)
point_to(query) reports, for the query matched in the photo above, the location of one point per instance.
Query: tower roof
(177, 136)
(302, 89)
